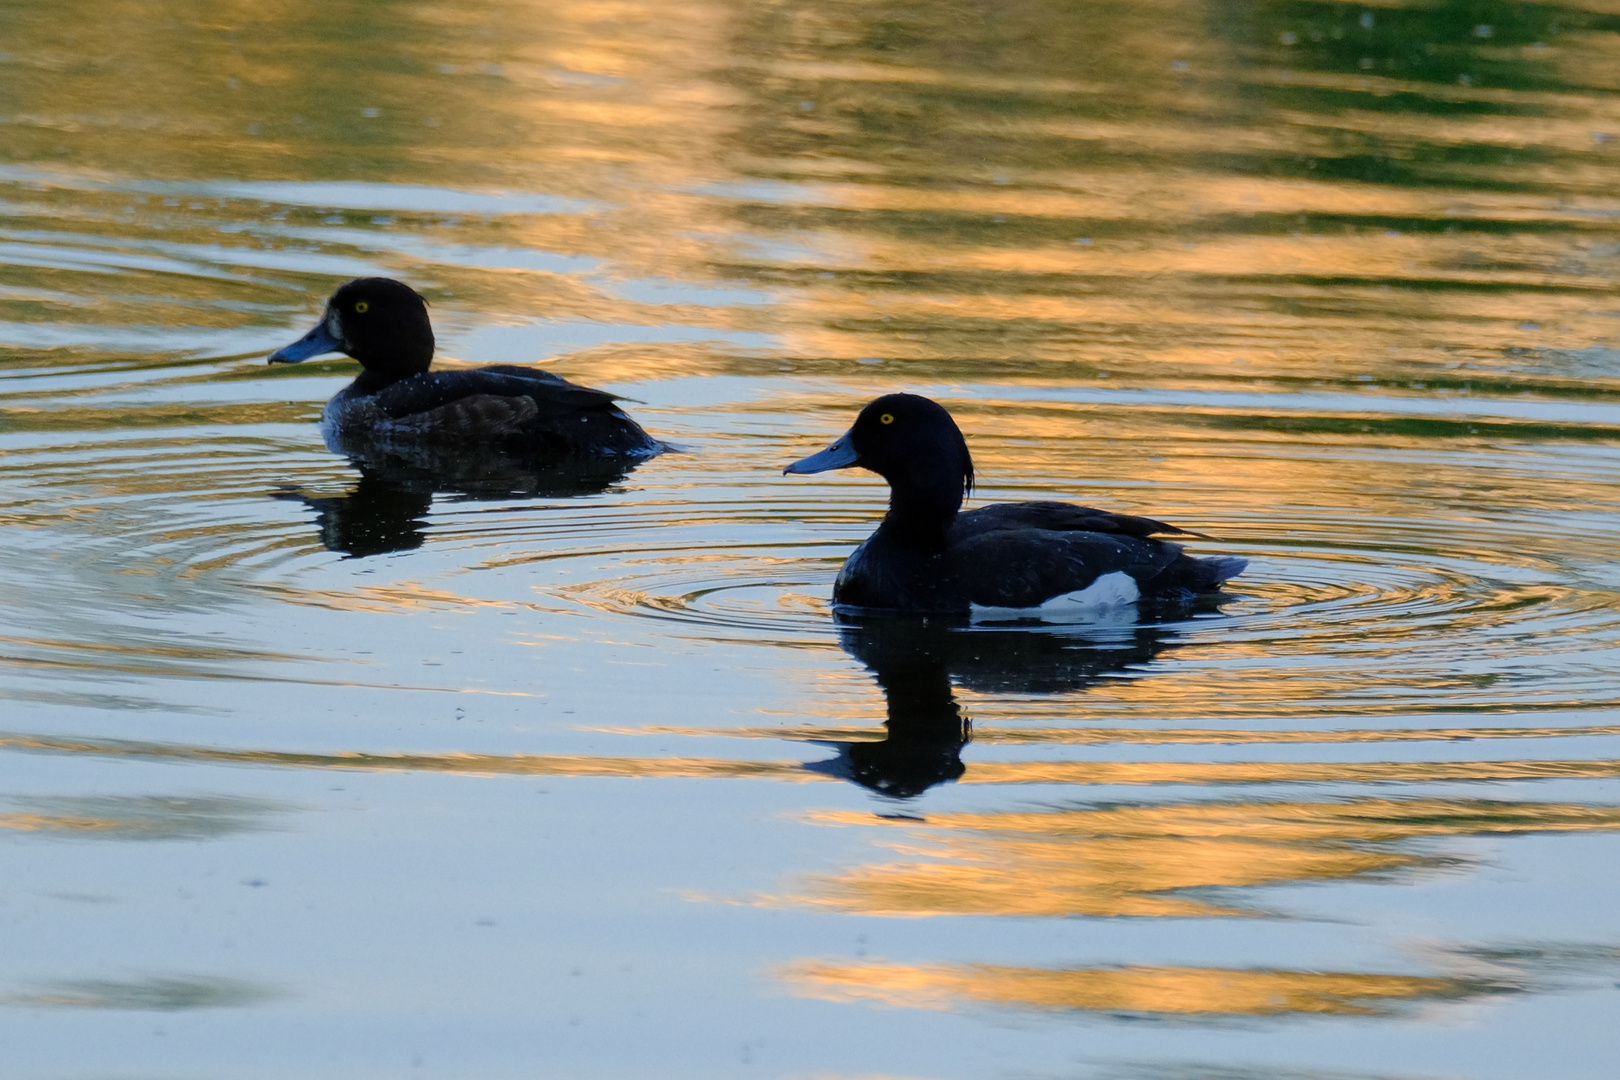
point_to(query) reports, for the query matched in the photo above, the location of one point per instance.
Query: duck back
(1019, 556)
(504, 405)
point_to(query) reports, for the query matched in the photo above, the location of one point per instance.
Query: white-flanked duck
(1006, 560)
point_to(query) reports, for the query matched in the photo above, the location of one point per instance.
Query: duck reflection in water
(388, 509)
(916, 660)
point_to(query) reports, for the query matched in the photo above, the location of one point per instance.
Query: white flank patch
(1096, 602)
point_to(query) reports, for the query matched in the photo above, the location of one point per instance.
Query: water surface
(320, 767)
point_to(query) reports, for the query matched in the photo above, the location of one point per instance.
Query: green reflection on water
(154, 994)
(138, 817)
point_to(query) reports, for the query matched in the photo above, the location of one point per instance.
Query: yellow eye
(886, 418)
(361, 307)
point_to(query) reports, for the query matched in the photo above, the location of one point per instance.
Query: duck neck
(371, 381)
(920, 517)
(393, 354)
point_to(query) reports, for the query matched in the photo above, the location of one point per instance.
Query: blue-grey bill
(840, 455)
(317, 341)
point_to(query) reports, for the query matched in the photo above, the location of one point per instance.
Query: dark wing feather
(476, 417)
(535, 375)
(1061, 517)
(551, 395)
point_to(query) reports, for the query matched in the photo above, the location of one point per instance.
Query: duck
(1048, 560)
(397, 400)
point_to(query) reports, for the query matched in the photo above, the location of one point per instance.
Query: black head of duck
(1007, 560)
(914, 444)
(384, 325)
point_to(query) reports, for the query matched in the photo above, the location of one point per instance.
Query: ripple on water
(1374, 613)
(1267, 272)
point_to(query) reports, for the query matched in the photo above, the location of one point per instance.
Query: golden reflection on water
(1112, 773)
(142, 817)
(1094, 736)
(949, 228)
(268, 89)
(583, 100)
(1140, 860)
(1187, 992)
(450, 763)
(399, 597)
(1246, 772)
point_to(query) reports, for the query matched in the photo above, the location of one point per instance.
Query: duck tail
(1189, 576)
(1216, 569)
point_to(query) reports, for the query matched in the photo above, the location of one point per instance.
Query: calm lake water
(310, 768)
